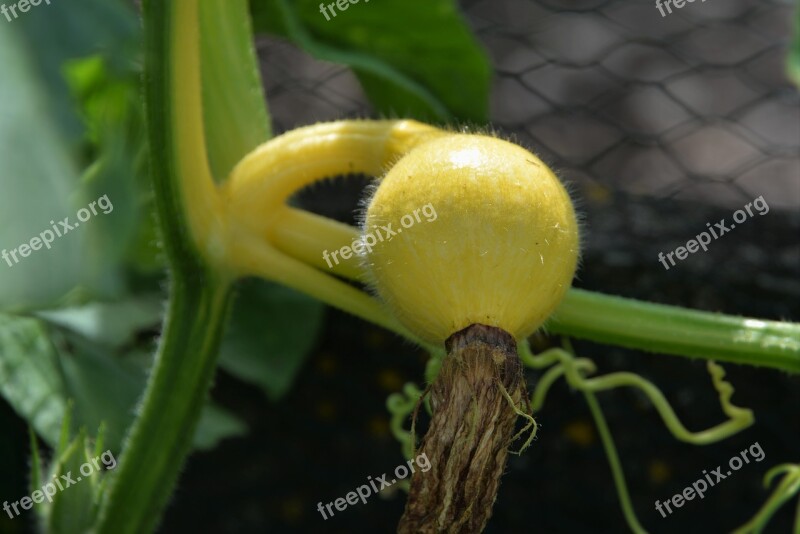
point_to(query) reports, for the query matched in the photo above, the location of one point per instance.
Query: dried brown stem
(469, 434)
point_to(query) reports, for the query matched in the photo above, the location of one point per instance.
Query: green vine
(203, 133)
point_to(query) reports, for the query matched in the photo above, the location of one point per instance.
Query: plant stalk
(471, 429)
(161, 436)
(189, 212)
(607, 319)
(680, 331)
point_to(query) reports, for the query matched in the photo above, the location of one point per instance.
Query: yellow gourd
(501, 250)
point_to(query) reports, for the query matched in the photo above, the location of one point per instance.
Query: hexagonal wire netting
(694, 104)
(661, 124)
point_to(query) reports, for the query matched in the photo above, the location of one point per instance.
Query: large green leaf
(111, 324)
(39, 377)
(103, 388)
(414, 58)
(57, 33)
(234, 108)
(107, 390)
(37, 179)
(271, 332)
(109, 101)
(51, 165)
(29, 376)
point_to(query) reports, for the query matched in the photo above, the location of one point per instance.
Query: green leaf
(793, 59)
(215, 425)
(74, 506)
(29, 377)
(106, 390)
(39, 377)
(110, 103)
(112, 324)
(57, 33)
(40, 155)
(36, 464)
(76, 466)
(414, 58)
(103, 388)
(37, 178)
(235, 110)
(271, 332)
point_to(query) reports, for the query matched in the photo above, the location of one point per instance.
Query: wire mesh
(661, 124)
(691, 105)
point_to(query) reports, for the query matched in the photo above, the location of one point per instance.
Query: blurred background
(658, 124)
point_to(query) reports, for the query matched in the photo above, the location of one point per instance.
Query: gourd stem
(590, 315)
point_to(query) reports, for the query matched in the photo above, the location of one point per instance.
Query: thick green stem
(673, 330)
(192, 227)
(161, 437)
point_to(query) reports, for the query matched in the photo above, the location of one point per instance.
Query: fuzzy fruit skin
(503, 248)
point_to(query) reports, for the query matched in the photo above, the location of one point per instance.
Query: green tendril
(788, 487)
(563, 362)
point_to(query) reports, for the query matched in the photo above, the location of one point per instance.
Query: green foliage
(109, 102)
(236, 121)
(85, 356)
(29, 377)
(89, 354)
(37, 178)
(793, 59)
(269, 336)
(78, 465)
(414, 58)
(62, 32)
(74, 510)
(73, 130)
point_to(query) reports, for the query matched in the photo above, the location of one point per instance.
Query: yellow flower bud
(501, 251)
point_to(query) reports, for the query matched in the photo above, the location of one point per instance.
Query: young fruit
(502, 250)
(487, 270)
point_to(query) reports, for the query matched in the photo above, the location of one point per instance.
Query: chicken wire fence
(693, 105)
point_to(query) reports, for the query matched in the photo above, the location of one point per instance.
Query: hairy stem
(475, 402)
(193, 227)
(674, 330)
(161, 436)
